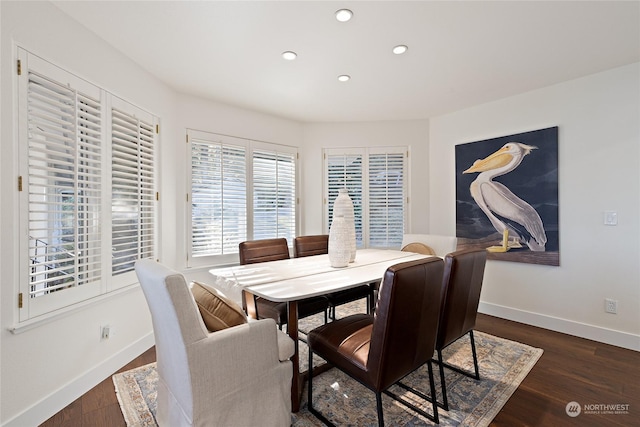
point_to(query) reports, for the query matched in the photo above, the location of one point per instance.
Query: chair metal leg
(310, 382)
(475, 357)
(379, 407)
(432, 398)
(475, 375)
(443, 386)
(313, 410)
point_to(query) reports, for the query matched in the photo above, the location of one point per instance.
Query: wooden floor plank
(571, 369)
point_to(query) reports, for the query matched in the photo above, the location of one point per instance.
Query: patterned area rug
(503, 366)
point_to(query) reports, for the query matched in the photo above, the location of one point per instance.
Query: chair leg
(443, 386)
(379, 408)
(313, 410)
(475, 356)
(310, 382)
(434, 399)
(475, 375)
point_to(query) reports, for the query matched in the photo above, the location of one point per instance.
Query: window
(274, 195)
(66, 202)
(376, 181)
(132, 190)
(218, 194)
(240, 190)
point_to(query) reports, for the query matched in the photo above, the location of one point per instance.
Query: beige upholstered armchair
(239, 375)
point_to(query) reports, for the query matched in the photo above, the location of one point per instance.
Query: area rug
(503, 366)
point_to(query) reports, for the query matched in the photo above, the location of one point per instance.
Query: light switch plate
(610, 218)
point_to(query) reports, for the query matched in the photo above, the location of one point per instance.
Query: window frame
(49, 304)
(251, 146)
(365, 153)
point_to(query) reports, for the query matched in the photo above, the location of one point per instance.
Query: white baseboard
(52, 404)
(591, 332)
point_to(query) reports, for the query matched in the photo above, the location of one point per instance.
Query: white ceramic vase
(339, 249)
(343, 206)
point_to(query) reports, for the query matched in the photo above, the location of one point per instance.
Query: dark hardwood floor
(571, 369)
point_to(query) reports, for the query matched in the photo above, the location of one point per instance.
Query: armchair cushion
(218, 312)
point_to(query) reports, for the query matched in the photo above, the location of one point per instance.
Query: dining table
(294, 279)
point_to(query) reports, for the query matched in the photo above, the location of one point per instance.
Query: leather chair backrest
(255, 251)
(406, 320)
(463, 275)
(311, 245)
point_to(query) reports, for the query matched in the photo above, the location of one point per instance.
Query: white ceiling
(461, 53)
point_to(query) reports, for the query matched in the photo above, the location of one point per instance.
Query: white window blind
(386, 199)
(132, 190)
(68, 206)
(64, 186)
(218, 196)
(274, 195)
(344, 170)
(376, 181)
(239, 190)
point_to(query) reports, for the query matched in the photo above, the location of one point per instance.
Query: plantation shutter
(132, 190)
(86, 173)
(218, 194)
(376, 181)
(274, 194)
(239, 190)
(344, 170)
(386, 199)
(63, 185)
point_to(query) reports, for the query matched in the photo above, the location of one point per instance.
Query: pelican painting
(509, 214)
(507, 196)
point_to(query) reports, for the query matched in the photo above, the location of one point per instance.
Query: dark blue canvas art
(507, 196)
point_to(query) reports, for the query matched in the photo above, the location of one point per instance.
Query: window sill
(66, 311)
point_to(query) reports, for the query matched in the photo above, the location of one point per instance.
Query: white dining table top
(299, 278)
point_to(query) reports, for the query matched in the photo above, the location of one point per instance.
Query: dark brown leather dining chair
(255, 251)
(462, 279)
(317, 245)
(378, 351)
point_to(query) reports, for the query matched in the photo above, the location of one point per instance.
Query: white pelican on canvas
(505, 210)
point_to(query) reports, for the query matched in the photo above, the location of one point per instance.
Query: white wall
(317, 136)
(599, 153)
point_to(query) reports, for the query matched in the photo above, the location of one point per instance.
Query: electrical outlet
(611, 306)
(105, 332)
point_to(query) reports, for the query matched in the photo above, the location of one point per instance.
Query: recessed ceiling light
(343, 15)
(344, 78)
(289, 55)
(400, 49)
